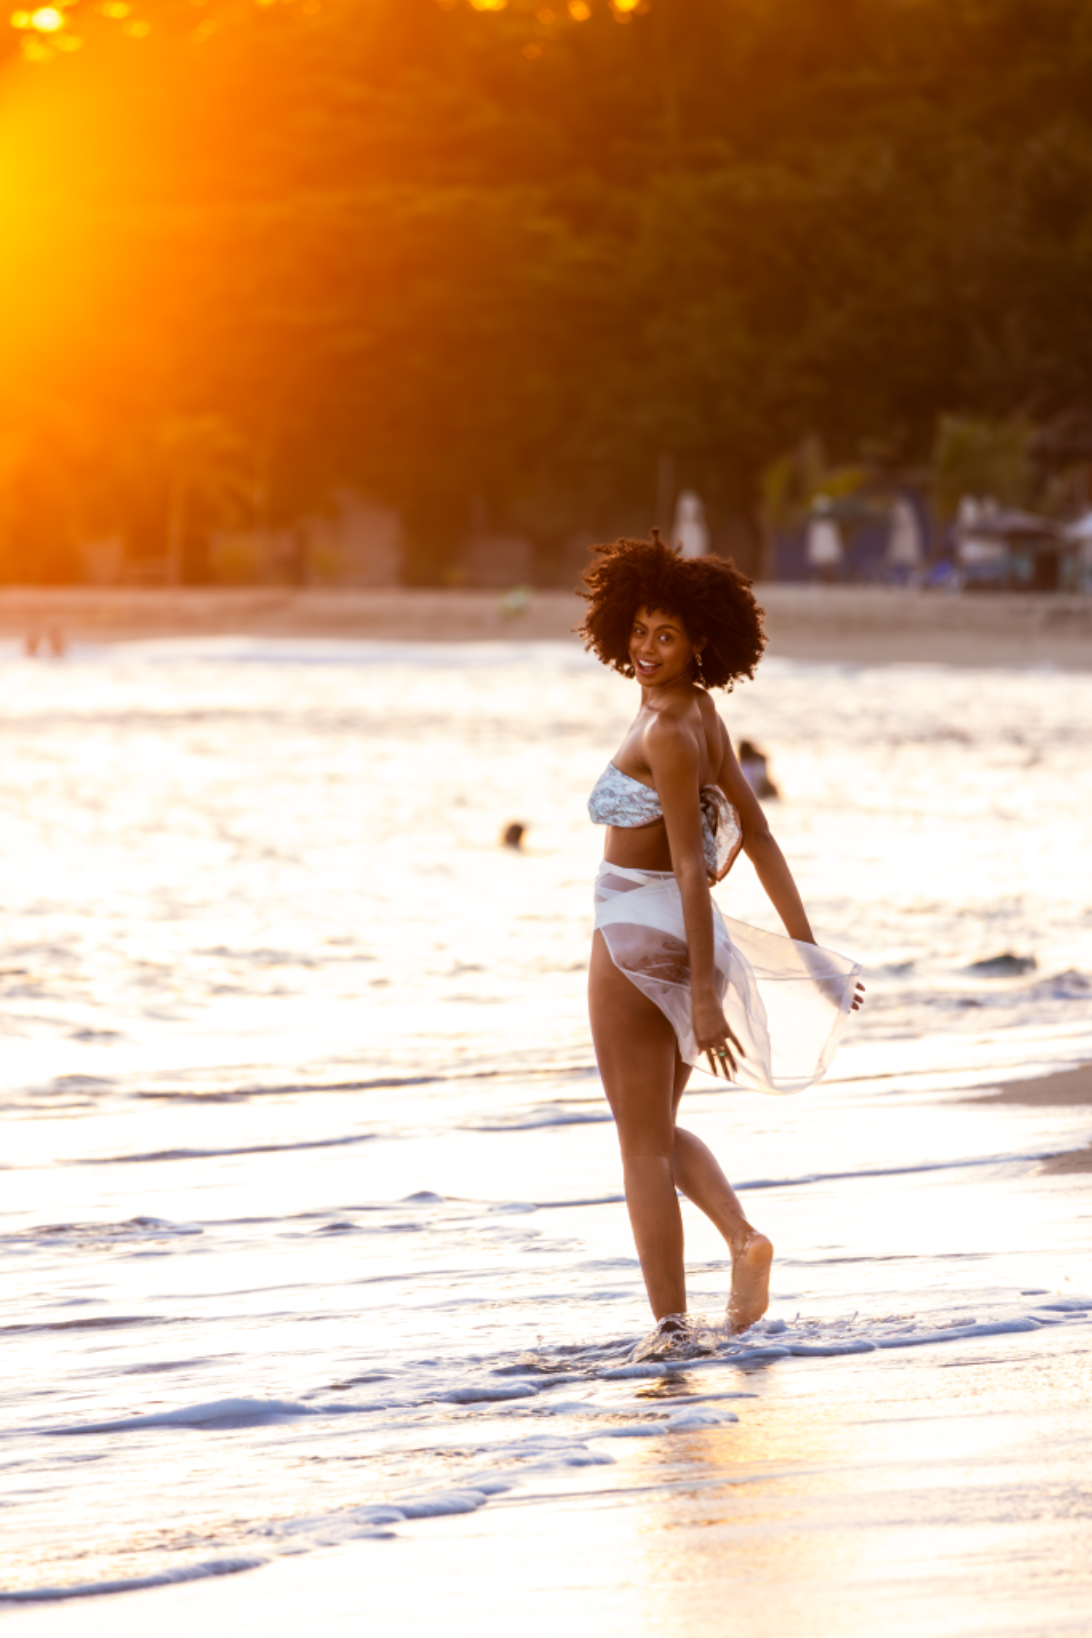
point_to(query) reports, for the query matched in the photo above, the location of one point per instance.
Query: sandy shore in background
(867, 625)
(1072, 1086)
(1047, 1091)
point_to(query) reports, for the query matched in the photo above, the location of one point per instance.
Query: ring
(722, 1052)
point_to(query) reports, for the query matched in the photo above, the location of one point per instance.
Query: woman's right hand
(715, 1038)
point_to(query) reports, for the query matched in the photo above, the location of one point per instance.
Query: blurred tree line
(488, 262)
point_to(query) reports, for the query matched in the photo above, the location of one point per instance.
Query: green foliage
(980, 459)
(792, 483)
(474, 259)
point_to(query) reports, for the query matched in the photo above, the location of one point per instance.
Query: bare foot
(750, 1295)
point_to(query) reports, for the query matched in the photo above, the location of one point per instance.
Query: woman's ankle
(741, 1236)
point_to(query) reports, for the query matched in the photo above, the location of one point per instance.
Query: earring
(698, 672)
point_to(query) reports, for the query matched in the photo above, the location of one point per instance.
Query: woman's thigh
(638, 1057)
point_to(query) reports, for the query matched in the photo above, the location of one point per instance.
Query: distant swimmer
(51, 641)
(672, 987)
(513, 834)
(753, 765)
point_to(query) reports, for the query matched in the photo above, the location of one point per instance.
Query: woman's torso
(641, 843)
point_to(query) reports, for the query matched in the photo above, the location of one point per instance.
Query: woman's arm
(673, 759)
(759, 845)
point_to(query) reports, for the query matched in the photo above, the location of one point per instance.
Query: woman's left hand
(858, 999)
(716, 1039)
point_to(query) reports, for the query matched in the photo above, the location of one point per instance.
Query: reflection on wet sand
(873, 1498)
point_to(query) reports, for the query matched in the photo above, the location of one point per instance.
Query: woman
(665, 965)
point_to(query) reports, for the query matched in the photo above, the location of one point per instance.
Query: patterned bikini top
(619, 799)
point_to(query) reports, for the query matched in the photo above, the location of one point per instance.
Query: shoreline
(858, 625)
(1068, 1088)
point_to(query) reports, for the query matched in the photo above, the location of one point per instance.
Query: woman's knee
(646, 1139)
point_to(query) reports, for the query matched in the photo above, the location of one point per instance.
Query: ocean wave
(917, 1168)
(102, 1236)
(543, 654)
(165, 1578)
(218, 1413)
(530, 1120)
(1007, 965)
(774, 1338)
(104, 1322)
(216, 1154)
(1070, 985)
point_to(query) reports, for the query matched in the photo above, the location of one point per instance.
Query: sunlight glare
(489, 5)
(579, 11)
(47, 19)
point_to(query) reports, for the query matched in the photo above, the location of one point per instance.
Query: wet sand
(1047, 1091)
(950, 1496)
(1071, 1087)
(864, 625)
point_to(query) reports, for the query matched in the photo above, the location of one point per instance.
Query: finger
(712, 1061)
(725, 1060)
(736, 1042)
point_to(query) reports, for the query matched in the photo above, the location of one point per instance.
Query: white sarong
(786, 1002)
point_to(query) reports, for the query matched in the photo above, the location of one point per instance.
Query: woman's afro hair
(708, 594)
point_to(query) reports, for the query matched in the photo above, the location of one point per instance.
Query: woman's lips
(648, 666)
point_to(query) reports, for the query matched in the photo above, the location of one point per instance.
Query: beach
(862, 625)
(319, 1293)
(1072, 1088)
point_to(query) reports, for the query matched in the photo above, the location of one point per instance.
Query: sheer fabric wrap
(785, 1002)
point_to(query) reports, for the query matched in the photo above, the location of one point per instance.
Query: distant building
(356, 543)
(498, 560)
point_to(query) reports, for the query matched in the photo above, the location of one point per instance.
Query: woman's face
(659, 649)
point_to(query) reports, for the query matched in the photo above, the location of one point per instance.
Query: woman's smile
(659, 649)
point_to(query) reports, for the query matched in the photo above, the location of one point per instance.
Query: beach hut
(1003, 548)
(1079, 537)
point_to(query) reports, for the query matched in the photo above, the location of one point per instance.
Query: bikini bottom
(786, 1002)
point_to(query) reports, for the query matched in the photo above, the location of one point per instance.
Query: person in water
(755, 766)
(672, 985)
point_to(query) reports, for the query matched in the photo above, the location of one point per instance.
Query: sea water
(310, 1215)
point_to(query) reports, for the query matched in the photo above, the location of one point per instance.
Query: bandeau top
(619, 799)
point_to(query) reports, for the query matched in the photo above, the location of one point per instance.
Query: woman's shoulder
(677, 727)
